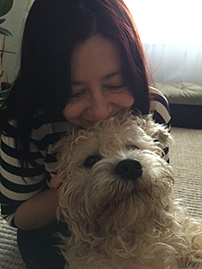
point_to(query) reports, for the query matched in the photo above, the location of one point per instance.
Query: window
(170, 22)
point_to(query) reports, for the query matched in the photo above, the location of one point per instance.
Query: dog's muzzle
(129, 169)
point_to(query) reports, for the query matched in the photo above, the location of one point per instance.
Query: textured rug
(186, 159)
(9, 254)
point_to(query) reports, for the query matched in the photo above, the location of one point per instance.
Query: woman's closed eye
(115, 87)
(78, 94)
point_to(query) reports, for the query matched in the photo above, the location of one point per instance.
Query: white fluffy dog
(116, 197)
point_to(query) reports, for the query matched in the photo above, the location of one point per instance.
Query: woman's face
(97, 88)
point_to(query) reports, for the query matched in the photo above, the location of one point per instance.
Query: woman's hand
(55, 183)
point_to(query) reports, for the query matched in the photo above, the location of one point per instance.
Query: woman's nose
(101, 107)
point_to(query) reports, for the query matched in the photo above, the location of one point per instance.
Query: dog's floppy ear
(158, 132)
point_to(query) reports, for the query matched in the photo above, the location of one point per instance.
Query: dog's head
(114, 173)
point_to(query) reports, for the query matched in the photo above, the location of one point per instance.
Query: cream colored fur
(117, 223)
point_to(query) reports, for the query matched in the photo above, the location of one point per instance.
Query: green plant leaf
(5, 6)
(2, 20)
(5, 32)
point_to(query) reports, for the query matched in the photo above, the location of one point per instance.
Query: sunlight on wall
(173, 21)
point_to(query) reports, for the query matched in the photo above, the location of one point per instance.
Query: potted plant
(5, 7)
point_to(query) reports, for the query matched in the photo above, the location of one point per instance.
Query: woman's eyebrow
(105, 77)
(111, 75)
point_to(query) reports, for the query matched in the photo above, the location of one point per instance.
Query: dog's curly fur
(119, 221)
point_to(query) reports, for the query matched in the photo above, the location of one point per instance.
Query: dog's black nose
(129, 169)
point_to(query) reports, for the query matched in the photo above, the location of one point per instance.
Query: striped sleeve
(159, 107)
(18, 184)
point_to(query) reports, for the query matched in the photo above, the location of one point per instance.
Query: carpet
(9, 255)
(186, 160)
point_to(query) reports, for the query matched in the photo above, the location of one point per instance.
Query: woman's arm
(16, 187)
(24, 198)
(38, 211)
(43, 207)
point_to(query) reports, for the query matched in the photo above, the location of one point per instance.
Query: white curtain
(175, 63)
(171, 32)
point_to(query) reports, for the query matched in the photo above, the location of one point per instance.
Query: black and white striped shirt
(18, 184)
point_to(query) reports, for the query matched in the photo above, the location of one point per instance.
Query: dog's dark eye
(132, 147)
(91, 160)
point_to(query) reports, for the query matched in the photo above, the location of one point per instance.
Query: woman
(82, 61)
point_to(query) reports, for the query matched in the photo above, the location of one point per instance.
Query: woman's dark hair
(53, 29)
